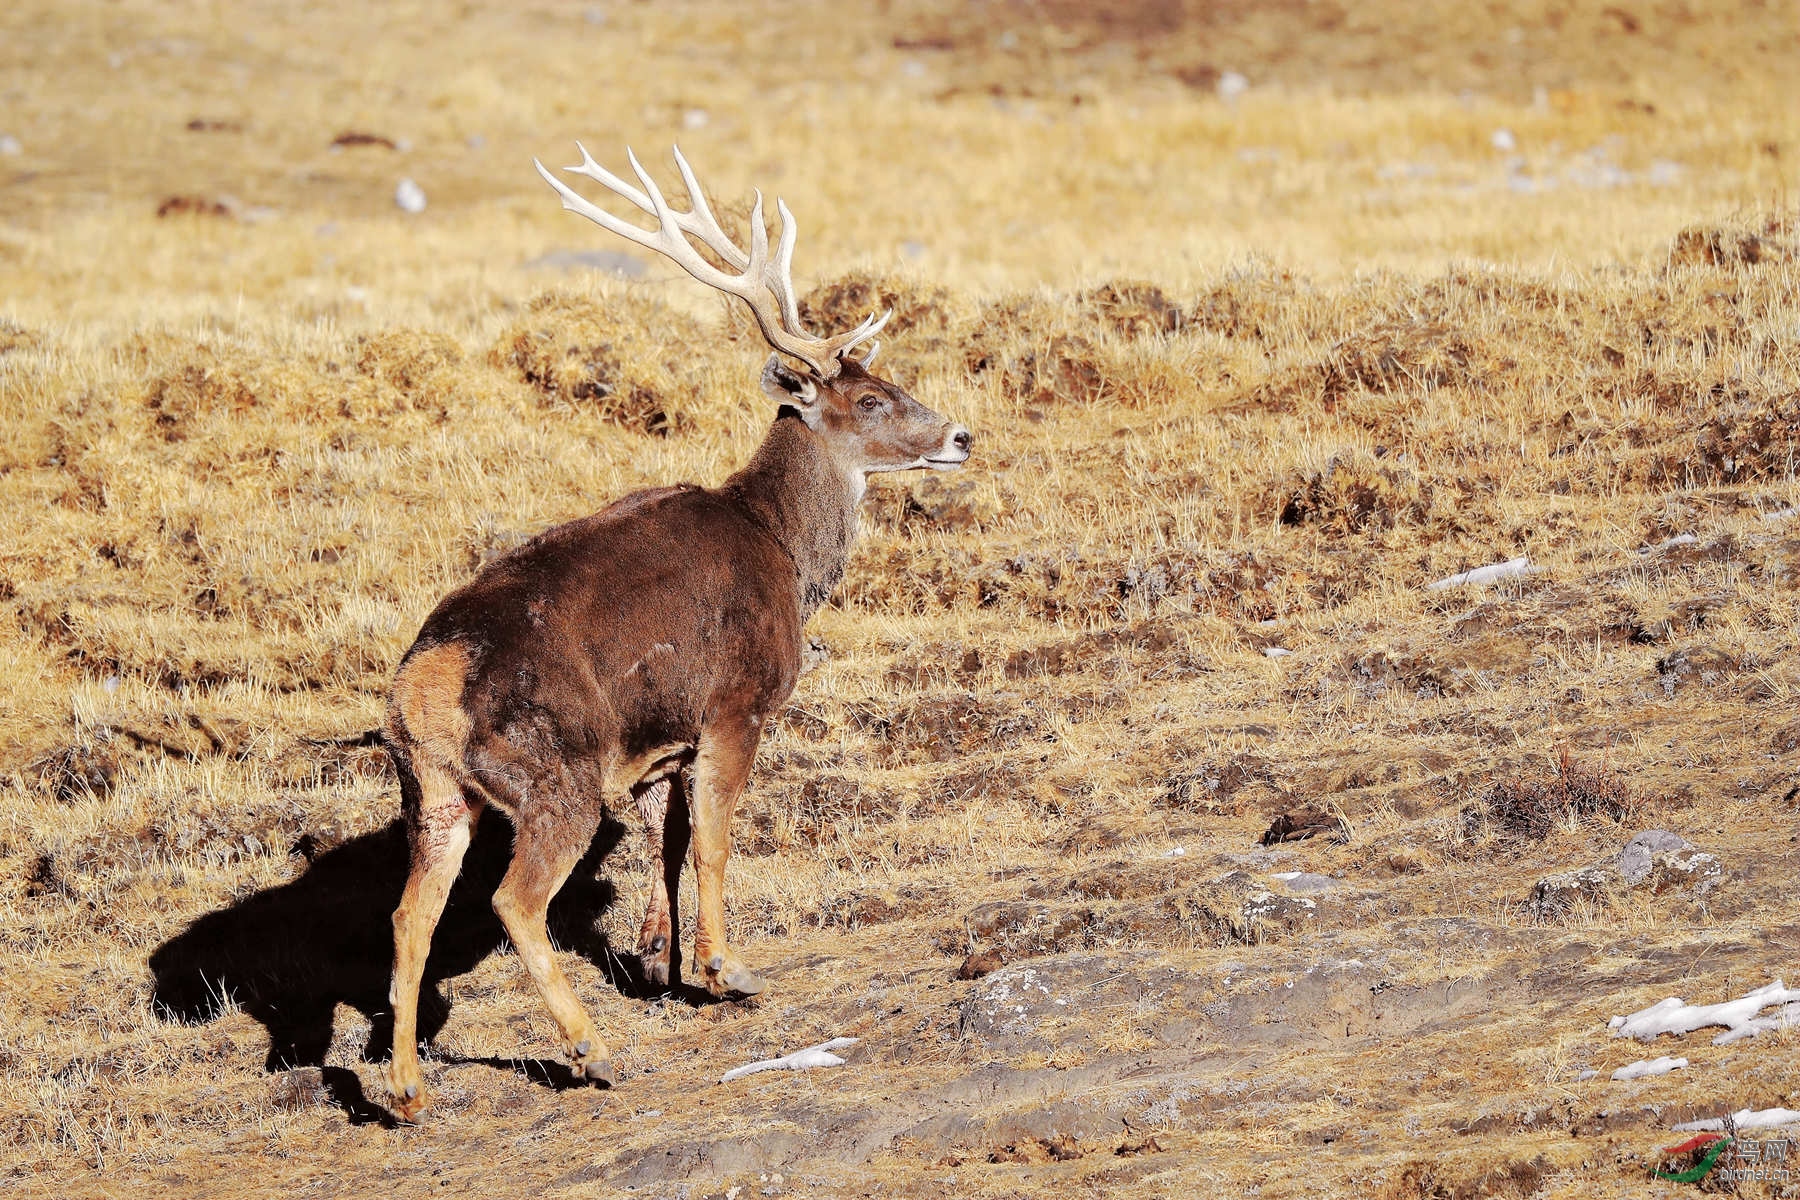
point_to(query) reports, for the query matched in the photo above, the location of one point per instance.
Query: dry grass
(1245, 375)
(1575, 793)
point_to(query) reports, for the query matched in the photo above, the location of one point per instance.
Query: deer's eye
(869, 403)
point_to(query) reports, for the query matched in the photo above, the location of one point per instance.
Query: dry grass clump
(1133, 308)
(922, 313)
(1355, 491)
(1743, 244)
(626, 359)
(1418, 355)
(16, 337)
(1748, 439)
(1573, 794)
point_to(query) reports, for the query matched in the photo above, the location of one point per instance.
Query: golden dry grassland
(1265, 316)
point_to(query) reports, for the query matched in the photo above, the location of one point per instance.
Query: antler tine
(704, 224)
(843, 343)
(766, 287)
(576, 203)
(595, 171)
(699, 222)
(782, 281)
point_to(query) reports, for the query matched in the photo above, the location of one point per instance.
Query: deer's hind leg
(547, 843)
(439, 822)
(663, 806)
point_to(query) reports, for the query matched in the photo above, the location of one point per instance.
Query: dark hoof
(656, 970)
(599, 1072)
(658, 944)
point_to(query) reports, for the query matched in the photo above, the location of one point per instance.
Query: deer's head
(867, 423)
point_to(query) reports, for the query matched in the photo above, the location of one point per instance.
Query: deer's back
(619, 633)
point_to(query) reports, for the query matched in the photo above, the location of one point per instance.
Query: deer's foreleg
(721, 766)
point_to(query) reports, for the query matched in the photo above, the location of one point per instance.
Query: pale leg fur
(541, 863)
(439, 828)
(663, 807)
(721, 767)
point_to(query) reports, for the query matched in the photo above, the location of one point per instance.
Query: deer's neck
(806, 500)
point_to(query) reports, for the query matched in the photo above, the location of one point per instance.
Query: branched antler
(766, 285)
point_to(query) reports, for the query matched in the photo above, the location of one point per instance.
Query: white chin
(942, 464)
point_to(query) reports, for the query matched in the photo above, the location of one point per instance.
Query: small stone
(1305, 881)
(409, 196)
(1503, 140)
(303, 1087)
(1263, 908)
(982, 962)
(9, 145)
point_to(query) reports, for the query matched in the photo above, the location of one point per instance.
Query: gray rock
(1687, 869)
(1265, 913)
(1307, 881)
(613, 262)
(1655, 859)
(302, 1087)
(1635, 860)
(1021, 1007)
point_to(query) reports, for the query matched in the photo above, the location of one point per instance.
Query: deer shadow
(289, 955)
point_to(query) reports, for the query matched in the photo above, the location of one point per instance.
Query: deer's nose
(962, 439)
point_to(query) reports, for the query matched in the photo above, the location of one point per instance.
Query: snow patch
(1644, 1068)
(1738, 1017)
(1512, 568)
(1744, 1118)
(800, 1060)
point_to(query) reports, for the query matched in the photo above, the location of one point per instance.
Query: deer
(638, 652)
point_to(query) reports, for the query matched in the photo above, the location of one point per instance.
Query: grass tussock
(1574, 794)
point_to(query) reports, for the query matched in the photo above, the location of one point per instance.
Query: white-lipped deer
(639, 651)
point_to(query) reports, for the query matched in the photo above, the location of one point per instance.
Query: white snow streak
(800, 1060)
(1739, 1017)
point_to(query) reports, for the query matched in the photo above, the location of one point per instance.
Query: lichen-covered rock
(1018, 1007)
(1267, 913)
(1636, 859)
(1687, 869)
(1556, 896)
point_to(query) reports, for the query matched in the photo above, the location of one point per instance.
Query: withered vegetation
(1121, 811)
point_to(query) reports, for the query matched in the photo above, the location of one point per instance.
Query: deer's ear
(792, 389)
